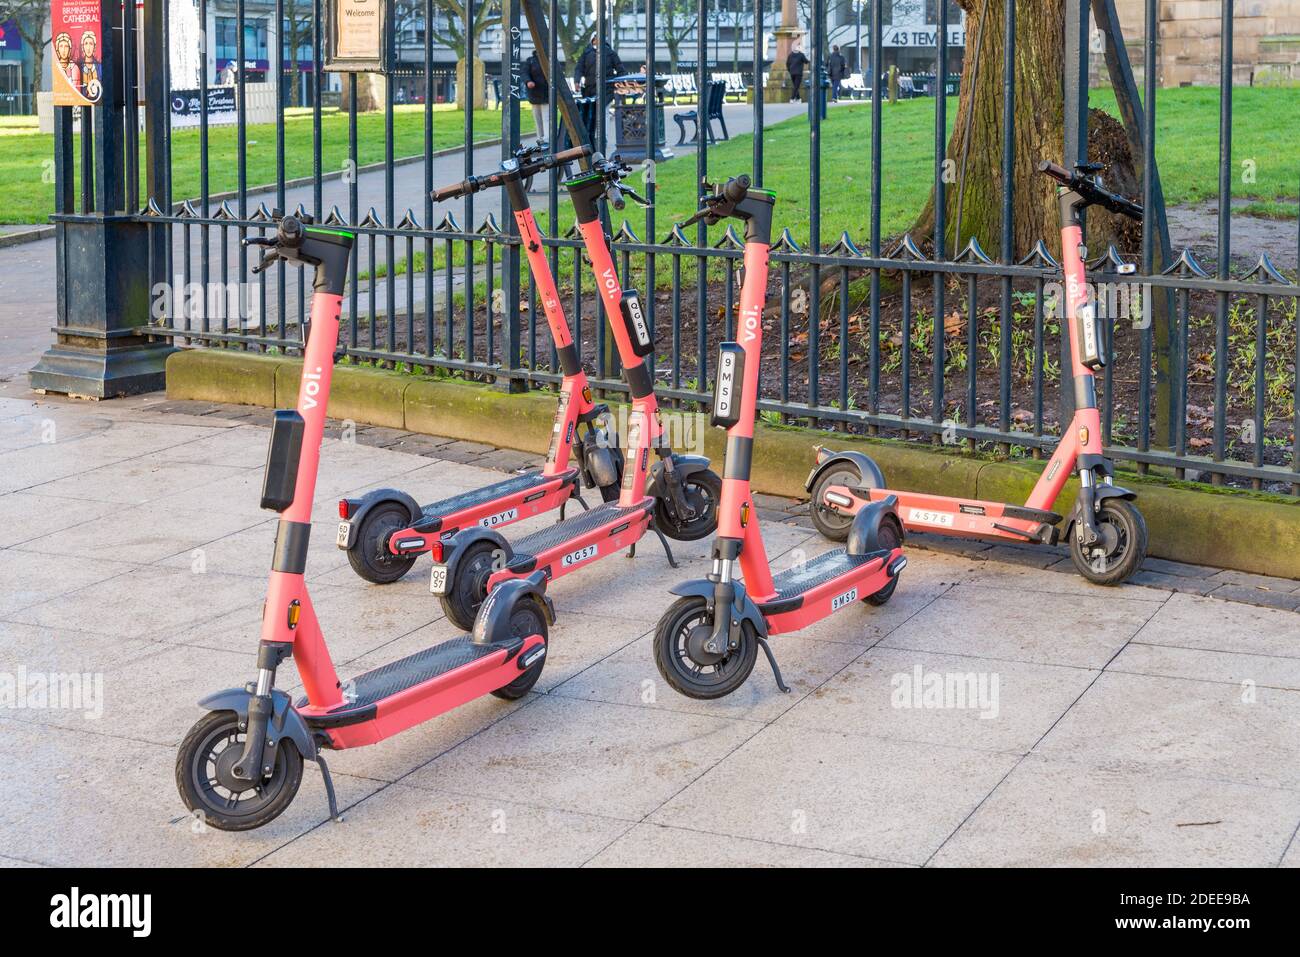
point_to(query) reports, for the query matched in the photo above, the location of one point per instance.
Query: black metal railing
(892, 336)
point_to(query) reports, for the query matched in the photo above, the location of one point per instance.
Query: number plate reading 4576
(926, 516)
(438, 580)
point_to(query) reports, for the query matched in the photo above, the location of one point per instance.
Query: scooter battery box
(282, 459)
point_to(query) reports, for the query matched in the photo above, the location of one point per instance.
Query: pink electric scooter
(1106, 532)
(240, 765)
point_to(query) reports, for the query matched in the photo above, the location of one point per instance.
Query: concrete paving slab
(80, 800)
(31, 577)
(653, 845)
(1049, 581)
(25, 516)
(246, 552)
(140, 481)
(1192, 729)
(234, 447)
(1292, 856)
(1017, 625)
(629, 677)
(1265, 582)
(1254, 595)
(588, 757)
(1201, 665)
(943, 699)
(1171, 583)
(1060, 814)
(1213, 624)
(145, 603)
(136, 534)
(416, 827)
(889, 800)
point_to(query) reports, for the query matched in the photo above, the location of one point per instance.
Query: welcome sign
(358, 36)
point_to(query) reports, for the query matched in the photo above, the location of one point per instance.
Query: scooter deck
(433, 516)
(822, 585)
(963, 518)
(387, 680)
(544, 547)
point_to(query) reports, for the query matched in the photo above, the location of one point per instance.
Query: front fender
(1099, 494)
(872, 477)
(285, 721)
(369, 501)
(743, 608)
(684, 465)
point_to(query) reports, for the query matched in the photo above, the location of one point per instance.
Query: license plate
(926, 516)
(438, 580)
(345, 530)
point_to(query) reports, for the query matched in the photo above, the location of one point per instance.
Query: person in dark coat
(838, 68)
(587, 74)
(795, 63)
(538, 91)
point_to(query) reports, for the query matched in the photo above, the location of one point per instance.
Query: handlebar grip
(1058, 173)
(444, 193)
(614, 196)
(736, 187)
(570, 155)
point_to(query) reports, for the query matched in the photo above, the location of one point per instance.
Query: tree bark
(1039, 131)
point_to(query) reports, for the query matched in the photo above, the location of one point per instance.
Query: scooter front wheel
(1123, 545)
(703, 493)
(684, 664)
(369, 555)
(207, 784)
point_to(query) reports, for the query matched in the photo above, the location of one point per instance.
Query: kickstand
(577, 498)
(664, 542)
(771, 660)
(329, 790)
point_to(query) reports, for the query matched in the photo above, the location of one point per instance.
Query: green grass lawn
(1187, 151)
(28, 198)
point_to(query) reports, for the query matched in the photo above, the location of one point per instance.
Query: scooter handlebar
(1091, 190)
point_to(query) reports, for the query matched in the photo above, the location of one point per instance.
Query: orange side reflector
(295, 612)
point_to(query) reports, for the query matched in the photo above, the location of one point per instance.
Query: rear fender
(864, 533)
(372, 499)
(285, 721)
(454, 548)
(872, 477)
(494, 617)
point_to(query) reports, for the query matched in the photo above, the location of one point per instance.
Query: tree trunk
(1039, 132)
(480, 90)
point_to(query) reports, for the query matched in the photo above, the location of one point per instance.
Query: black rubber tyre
(1120, 518)
(205, 785)
(527, 619)
(369, 555)
(703, 493)
(891, 537)
(685, 674)
(832, 524)
(469, 588)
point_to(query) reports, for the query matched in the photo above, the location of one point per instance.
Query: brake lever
(636, 197)
(267, 258)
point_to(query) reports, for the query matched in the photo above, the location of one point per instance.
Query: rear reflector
(435, 550)
(345, 508)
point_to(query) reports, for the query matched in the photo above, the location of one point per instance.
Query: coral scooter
(677, 496)
(241, 764)
(1106, 532)
(706, 643)
(385, 530)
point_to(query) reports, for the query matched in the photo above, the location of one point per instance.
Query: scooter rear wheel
(703, 492)
(527, 619)
(207, 786)
(889, 536)
(1125, 532)
(369, 554)
(832, 524)
(469, 588)
(689, 673)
